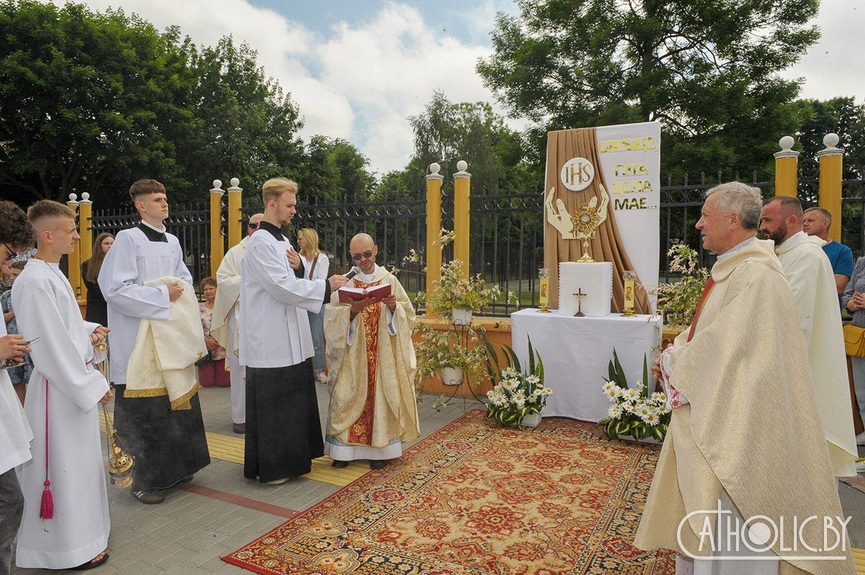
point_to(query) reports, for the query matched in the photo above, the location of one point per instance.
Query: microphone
(353, 272)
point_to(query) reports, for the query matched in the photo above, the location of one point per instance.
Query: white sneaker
(860, 439)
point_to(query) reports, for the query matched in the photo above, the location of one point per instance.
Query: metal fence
(506, 230)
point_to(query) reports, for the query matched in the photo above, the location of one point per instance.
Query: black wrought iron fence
(506, 230)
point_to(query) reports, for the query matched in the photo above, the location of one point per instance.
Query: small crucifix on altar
(580, 295)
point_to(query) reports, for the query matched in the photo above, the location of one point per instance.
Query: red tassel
(46, 509)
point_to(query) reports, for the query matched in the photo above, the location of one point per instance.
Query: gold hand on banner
(558, 217)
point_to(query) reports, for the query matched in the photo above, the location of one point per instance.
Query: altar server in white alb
(810, 275)
(65, 522)
(15, 434)
(283, 429)
(166, 437)
(226, 327)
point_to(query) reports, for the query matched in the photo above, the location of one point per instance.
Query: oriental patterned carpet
(475, 498)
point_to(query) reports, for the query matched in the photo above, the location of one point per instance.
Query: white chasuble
(751, 429)
(133, 260)
(371, 412)
(46, 309)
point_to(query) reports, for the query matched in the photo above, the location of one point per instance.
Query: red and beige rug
(476, 498)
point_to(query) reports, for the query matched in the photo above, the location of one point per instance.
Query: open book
(351, 294)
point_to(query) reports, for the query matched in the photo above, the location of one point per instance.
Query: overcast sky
(358, 68)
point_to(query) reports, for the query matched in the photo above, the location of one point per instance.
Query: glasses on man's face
(12, 253)
(365, 255)
(252, 226)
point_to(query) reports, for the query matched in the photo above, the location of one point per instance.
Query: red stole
(360, 432)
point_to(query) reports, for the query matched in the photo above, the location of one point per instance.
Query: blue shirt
(841, 258)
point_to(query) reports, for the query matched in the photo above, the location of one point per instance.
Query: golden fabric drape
(562, 145)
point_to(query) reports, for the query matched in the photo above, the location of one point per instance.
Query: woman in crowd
(211, 371)
(853, 299)
(97, 310)
(315, 265)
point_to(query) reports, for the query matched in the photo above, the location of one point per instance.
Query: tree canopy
(93, 101)
(707, 69)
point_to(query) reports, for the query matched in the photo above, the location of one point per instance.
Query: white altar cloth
(576, 352)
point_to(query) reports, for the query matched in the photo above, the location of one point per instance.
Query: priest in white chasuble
(15, 433)
(168, 444)
(283, 428)
(62, 408)
(745, 444)
(371, 364)
(225, 326)
(810, 274)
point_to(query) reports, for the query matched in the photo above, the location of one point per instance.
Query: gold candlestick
(630, 279)
(544, 297)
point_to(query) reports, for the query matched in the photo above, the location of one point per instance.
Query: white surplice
(132, 260)
(225, 326)
(46, 309)
(810, 275)
(274, 329)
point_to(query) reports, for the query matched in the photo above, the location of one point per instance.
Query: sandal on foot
(93, 563)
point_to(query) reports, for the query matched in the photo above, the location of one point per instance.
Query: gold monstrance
(587, 219)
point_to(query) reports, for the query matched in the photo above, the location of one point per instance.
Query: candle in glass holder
(544, 281)
(630, 279)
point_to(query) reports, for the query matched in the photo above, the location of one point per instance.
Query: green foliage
(335, 172)
(635, 411)
(678, 300)
(708, 70)
(457, 347)
(92, 101)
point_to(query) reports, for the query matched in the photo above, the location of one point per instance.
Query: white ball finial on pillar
(786, 144)
(434, 168)
(830, 140)
(234, 182)
(462, 165)
(217, 184)
(73, 197)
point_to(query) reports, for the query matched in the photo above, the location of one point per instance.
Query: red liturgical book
(351, 294)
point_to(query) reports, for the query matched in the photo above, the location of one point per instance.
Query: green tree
(335, 172)
(245, 125)
(707, 69)
(87, 101)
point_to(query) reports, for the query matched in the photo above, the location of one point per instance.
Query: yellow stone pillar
(433, 226)
(462, 210)
(786, 168)
(74, 259)
(234, 221)
(217, 245)
(831, 160)
(85, 230)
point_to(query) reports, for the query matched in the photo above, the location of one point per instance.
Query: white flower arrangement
(518, 394)
(635, 411)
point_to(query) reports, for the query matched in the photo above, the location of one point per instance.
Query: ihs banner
(614, 170)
